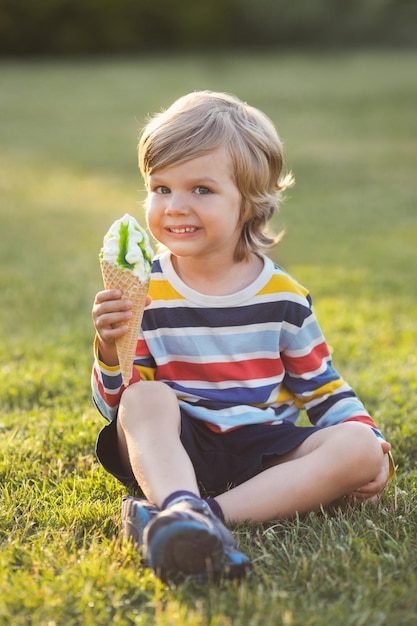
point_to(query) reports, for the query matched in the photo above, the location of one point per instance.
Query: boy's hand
(111, 315)
(372, 489)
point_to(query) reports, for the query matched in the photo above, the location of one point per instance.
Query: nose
(176, 204)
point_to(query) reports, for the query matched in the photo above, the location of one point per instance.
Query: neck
(217, 278)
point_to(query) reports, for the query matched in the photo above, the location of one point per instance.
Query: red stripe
(135, 378)
(307, 363)
(363, 419)
(142, 349)
(216, 372)
(111, 400)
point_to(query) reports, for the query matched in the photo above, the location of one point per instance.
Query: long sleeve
(310, 376)
(107, 387)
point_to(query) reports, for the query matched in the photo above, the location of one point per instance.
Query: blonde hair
(204, 121)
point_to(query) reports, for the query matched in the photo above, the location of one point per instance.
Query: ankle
(178, 496)
(216, 508)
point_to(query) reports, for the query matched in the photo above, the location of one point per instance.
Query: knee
(147, 392)
(146, 402)
(365, 448)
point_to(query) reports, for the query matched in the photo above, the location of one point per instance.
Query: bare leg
(148, 426)
(329, 464)
(187, 540)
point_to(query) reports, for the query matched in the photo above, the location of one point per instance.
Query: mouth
(182, 229)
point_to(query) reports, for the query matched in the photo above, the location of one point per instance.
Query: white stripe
(111, 392)
(216, 358)
(203, 331)
(229, 384)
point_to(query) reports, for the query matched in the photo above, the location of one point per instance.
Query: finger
(367, 490)
(109, 334)
(114, 306)
(386, 447)
(108, 294)
(372, 497)
(370, 489)
(114, 321)
(111, 307)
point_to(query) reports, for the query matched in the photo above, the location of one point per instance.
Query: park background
(77, 80)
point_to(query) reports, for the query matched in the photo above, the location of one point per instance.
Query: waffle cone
(135, 290)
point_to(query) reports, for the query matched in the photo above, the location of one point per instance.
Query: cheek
(152, 215)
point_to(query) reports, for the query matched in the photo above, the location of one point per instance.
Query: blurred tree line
(29, 27)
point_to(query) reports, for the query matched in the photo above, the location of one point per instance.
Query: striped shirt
(257, 356)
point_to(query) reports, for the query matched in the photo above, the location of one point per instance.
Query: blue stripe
(213, 397)
(249, 414)
(103, 408)
(156, 266)
(331, 407)
(189, 317)
(111, 382)
(217, 344)
(300, 386)
(303, 339)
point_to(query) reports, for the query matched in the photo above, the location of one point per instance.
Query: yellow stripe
(322, 391)
(280, 283)
(146, 373)
(284, 396)
(104, 366)
(162, 290)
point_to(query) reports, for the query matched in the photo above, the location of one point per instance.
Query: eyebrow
(160, 181)
(200, 180)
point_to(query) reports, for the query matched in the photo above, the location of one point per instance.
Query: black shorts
(221, 460)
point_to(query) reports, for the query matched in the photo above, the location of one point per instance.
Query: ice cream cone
(135, 290)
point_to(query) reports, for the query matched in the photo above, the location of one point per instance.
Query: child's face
(194, 208)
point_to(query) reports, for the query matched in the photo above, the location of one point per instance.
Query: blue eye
(202, 191)
(162, 189)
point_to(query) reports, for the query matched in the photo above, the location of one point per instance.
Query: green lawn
(68, 135)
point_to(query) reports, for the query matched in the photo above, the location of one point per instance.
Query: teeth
(183, 230)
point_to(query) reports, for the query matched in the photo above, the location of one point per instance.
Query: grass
(68, 134)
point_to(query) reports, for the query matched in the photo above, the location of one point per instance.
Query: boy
(229, 353)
